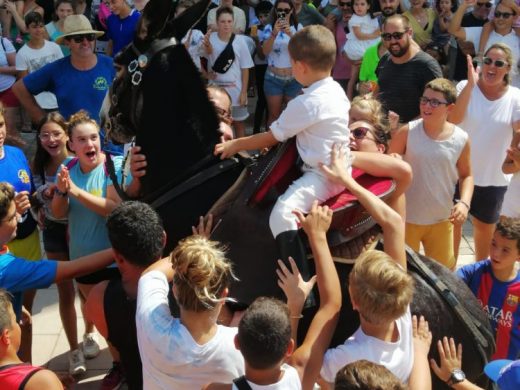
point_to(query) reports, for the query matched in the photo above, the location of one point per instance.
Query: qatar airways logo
(499, 316)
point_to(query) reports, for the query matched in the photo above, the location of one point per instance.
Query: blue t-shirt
(18, 275)
(122, 31)
(87, 230)
(500, 301)
(75, 89)
(14, 169)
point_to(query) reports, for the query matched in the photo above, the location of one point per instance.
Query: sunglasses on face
(286, 10)
(395, 35)
(504, 15)
(487, 5)
(497, 63)
(342, 4)
(361, 133)
(79, 38)
(434, 103)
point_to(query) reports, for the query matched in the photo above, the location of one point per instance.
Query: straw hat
(76, 25)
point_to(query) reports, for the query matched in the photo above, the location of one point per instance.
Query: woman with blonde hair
(192, 350)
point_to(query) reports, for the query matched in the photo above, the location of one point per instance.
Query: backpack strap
(110, 171)
(241, 383)
(72, 163)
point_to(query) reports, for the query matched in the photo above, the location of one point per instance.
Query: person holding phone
(279, 84)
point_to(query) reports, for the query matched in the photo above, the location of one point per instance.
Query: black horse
(158, 97)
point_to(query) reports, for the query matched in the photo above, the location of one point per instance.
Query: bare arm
(511, 163)
(267, 45)
(245, 81)
(44, 379)
(389, 220)
(459, 111)
(163, 265)
(420, 378)
(255, 141)
(365, 36)
(28, 102)
(460, 210)
(308, 358)
(399, 140)
(10, 68)
(455, 27)
(97, 204)
(84, 265)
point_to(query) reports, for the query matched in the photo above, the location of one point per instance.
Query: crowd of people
(424, 93)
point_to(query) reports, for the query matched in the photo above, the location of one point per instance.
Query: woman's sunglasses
(360, 132)
(498, 63)
(505, 15)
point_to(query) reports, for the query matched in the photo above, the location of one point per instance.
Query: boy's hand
(451, 358)
(295, 288)
(204, 228)
(459, 213)
(337, 170)
(317, 221)
(22, 202)
(422, 337)
(226, 149)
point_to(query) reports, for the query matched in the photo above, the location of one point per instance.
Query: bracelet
(464, 203)
(296, 317)
(59, 193)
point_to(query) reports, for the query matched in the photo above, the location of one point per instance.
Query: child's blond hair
(202, 273)
(79, 118)
(380, 288)
(376, 116)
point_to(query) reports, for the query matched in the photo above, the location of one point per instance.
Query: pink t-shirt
(341, 70)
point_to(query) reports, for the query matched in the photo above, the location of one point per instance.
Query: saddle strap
(241, 383)
(473, 325)
(194, 181)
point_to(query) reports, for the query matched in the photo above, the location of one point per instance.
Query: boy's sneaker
(114, 378)
(90, 345)
(77, 364)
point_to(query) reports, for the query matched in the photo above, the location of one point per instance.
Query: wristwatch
(457, 376)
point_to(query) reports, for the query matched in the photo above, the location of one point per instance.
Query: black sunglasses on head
(80, 37)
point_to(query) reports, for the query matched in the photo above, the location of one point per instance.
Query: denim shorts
(275, 85)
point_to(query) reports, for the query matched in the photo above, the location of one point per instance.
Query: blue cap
(506, 373)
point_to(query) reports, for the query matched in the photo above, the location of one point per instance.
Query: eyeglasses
(497, 63)
(487, 5)
(432, 102)
(361, 132)
(395, 35)
(287, 10)
(80, 37)
(48, 136)
(504, 15)
(344, 4)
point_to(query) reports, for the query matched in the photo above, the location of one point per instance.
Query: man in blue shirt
(79, 81)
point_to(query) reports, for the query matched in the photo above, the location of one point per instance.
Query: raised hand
(317, 221)
(473, 74)
(22, 202)
(337, 170)
(295, 288)
(450, 358)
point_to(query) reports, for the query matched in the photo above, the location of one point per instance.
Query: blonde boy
(381, 291)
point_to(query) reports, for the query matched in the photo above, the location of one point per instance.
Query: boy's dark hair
(136, 232)
(6, 198)
(5, 303)
(365, 375)
(33, 17)
(510, 229)
(315, 46)
(264, 333)
(224, 10)
(445, 87)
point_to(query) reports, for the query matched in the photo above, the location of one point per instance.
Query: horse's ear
(156, 13)
(180, 26)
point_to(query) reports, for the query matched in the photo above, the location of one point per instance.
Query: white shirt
(171, 358)
(511, 40)
(318, 119)
(31, 60)
(232, 79)
(195, 45)
(290, 381)
(279, 55)
(489, 126)
(395, 356)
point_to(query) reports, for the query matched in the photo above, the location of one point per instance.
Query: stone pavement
(50, 345)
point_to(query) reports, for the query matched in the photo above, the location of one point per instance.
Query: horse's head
(159, 28)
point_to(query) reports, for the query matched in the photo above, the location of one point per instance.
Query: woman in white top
(488, 109)
(511, 205)
(192, 350)
(279, 84)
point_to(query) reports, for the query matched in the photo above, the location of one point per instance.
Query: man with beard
(404, 70)
(388, 8)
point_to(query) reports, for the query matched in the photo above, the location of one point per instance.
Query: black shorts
(99, 276)
(55, 237)
(486, 203)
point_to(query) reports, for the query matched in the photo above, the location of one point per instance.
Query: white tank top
(289, 381)
(434, 163)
